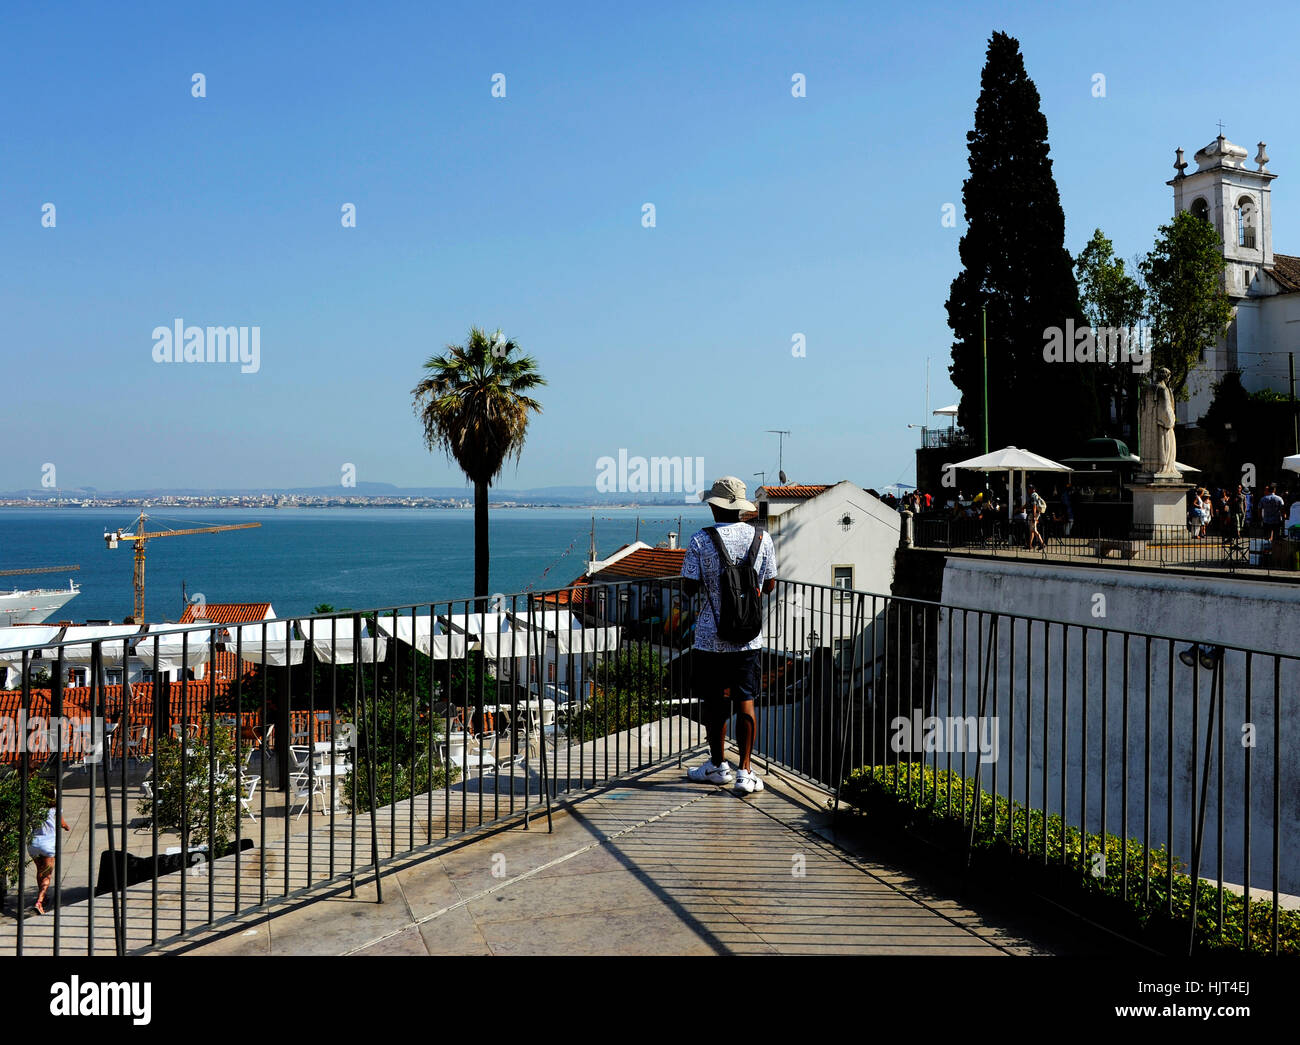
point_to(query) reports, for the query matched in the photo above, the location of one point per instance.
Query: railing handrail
(834, 595)
(1060, 622)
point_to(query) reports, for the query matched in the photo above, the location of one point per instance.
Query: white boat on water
(34, 605)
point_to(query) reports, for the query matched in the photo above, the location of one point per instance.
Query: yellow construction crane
(140, 537)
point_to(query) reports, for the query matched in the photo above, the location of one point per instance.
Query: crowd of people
(1223, 512)
(984, 512)
(1240, 512)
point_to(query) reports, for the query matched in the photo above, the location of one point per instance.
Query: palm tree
(474, 405)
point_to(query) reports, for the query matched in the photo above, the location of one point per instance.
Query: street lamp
(1209, 656)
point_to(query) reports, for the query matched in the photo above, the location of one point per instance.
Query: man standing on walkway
(718, 664)
(1271, 509)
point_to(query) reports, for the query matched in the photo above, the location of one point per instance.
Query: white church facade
(1262, 285)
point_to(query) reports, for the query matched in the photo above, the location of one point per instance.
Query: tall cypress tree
(1014, 263)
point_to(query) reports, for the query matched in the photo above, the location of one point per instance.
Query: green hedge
(14, 834)
(1095, 870)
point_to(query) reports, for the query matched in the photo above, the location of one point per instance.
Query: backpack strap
(716, 537)
(751, 556)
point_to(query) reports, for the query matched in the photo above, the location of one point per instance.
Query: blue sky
(775, 216)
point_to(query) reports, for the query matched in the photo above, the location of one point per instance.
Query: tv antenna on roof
(780, 434)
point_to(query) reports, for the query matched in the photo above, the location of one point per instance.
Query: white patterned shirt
(701, 562)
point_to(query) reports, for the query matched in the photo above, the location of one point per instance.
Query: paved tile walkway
(655, 865)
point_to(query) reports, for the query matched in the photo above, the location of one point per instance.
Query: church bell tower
(1235, 200)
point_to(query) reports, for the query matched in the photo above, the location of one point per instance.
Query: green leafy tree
(1187, 307)
(475, 407)
(1248, 426)
(628, 686)
(1111, 299)
(183, 791)
(402, 742)
(14, 834)
(1015, 265)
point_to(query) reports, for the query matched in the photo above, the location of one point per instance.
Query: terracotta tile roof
(572, 594)
(645, 562)
(191, 712)
(227, 613)
(1286, 270)
(225, 663)
(792, 493)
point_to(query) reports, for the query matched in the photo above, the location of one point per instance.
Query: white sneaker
(747, 782)
(711, 774)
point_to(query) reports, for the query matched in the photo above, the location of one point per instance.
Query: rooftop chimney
(672, 539)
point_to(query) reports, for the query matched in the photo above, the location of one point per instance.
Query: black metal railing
(1250, 550)
(271, 759)
(936, 437)
(1175, 754)
(276, 759)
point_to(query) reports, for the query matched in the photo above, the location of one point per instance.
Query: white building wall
(810, 539)
(1276, 331)
(1251, 615)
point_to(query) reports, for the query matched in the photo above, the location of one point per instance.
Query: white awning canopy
(425, 634)
(585, 640)
(12, 642)
(1012, 459)
(179, 646)
(333, 642)
(267, 644)
(275, 631)
(111, 636)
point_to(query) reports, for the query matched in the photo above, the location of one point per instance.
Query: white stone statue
(1156, 420)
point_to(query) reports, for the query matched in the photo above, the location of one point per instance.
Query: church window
(1201, 209)
(1245, 222)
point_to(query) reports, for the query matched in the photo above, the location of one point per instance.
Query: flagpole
(984, 323)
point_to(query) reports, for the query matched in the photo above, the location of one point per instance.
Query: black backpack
(739, 618)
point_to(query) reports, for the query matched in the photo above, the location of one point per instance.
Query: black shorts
(712, 673)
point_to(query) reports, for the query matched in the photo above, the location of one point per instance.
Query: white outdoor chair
(248, 784)
(301, 734)
(311, 780)
(137, 739)
(84, 734)
(466, 757)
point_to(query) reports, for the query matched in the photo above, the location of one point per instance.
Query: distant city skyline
(704, 224)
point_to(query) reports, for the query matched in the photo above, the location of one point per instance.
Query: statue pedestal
(1158, 503)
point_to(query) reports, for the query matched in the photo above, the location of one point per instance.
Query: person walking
(42, 849)
(1236, 513)
(1068, 504)
(1271, 508)
(1198, 514)
(1032, 514)
(724, 663)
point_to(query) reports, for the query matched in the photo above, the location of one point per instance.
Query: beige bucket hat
(728, 493)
